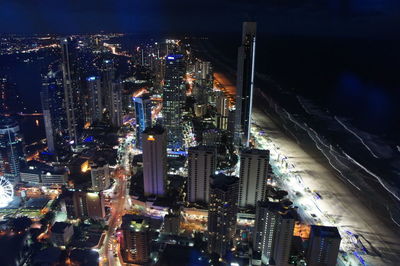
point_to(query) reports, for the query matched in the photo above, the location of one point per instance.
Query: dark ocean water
(24, 70)
(336, 96)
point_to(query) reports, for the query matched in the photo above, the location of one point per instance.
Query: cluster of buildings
(197, 182)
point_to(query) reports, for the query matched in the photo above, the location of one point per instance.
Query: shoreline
(351, 207)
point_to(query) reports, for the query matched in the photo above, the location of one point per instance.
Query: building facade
(324, 246)
(202, 164)
(95, 99)
(174, 99)
(222, 213)
(136, 239)
(55, 121)
(253, 176)
(100, 174)
(154, 161)
(11, 149)
(245, 83)
(273, 232)
(143, 116)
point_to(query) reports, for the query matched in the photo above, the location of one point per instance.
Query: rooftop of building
(36, 203)
(203, 148)
(182, 255)
(37, 167)
(156, 130)
(222, 181)
(59, 227)
(255, 152)
(325, 231)
(134, 222)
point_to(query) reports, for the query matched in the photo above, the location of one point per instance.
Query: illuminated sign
(151, 138)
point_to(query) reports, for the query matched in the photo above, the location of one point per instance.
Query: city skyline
(277, 148)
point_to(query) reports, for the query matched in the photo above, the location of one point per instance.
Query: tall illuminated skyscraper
(245, 83)
(11, 149)
(143, 116)
(154, 161)
(71, 91)
(55, 121)
(115, 104)
(253, 176)
(107, 73)
(95, 99)
(174, 99)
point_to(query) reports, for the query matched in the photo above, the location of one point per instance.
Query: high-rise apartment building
(222, 213)
(245, 83)
(174, 99)
(273, 233)
(55, 120)
(88, 205)
(154, 161)
(115, 104)
(202, 164)
(324, 246)
(143, 116)
(95, 99)
(253, 176)
(222, 105)
(136, 240)
(11, 149)
(72, 94)
(100, 174)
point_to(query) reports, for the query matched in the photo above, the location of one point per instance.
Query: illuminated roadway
(117, 209)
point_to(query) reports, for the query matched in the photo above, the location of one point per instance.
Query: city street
(118, 204)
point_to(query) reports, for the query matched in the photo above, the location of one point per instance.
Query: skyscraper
(174, 99)
(154, 161)
(222, 213)
(55, 121)
(324, 246)
(253, 176)
(202, 164)
(107, 74)
(245, 80)
(222, 105)
(72, 95)
(100, 174)
(95, 99)
(143, 116)
(273, 233)
(136, 239)
(11, 149)
(115, 104)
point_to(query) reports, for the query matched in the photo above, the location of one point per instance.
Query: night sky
(364, 18)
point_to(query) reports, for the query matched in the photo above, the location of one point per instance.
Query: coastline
(351, 208)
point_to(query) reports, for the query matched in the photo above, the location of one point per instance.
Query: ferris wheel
(6, 191)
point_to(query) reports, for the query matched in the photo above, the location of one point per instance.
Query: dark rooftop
(182, 255)
(156, 130)
(325, 231)
(222, 181)
(59, 227)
